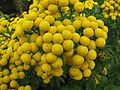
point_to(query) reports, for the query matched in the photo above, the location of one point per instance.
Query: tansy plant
(45, 40)
(111, 8)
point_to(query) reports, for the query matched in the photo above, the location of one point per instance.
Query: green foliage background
(111, 81)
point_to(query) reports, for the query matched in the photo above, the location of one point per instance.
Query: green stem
(61, 13)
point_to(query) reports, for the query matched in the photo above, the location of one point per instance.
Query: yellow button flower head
(84, 66)
(19, 31)
(56, 23)
(57, 38)
(25, 58)
(100, 42)
(28, 87)
(26, 47)
(82, 50)
(53, 29)
(16, 45)
(92, 55)
(50, 19)
(68, 45)
(51, 58)
(91, 64)
(47, 37)
(86, 23)
(74, 71)
(88, 32)
(39, 41)
(57, 49)
(67, 22)
(27, 25)
(79, 77)
(3, 62)
(44, 76)
(54, 1)
(113, 17)
(5, 72)
(68, 53)
(73, 1)
(47, 47)
(46, 81)
(77, 60)
(87, 73)
(92, 44)
(70, 28)
(34, 47)
(21, 75)
(43, 59)
(33, 37)
(45, 3)
(79, 7)
(63, 3)
(37, 56)
(14, 84)
(37, 21)
(32, 16)
(67, 34)
(99, 32)
(23, 39)
(75, 37)
(44, 26)
(105, 28)
(60, 28)
(53, 8)
(77, 24)
(6, 79)
(100, 23)
(84, 40)
(3, 87)
(58, 63)
(21, 88)
(46, 67)
(94, 25)
(4, 22)
(58, 72)
(91, 18)
(14, 76)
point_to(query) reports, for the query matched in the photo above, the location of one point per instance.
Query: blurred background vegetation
(109, 81)
(14, 7)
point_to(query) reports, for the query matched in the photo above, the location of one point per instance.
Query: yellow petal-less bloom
(78, 6)
(57, 38)
(57, 49)
(46, 67)
(100, 42)
(77, 60)
(68, 45)
(82, 50)
(44, 26)
(87, 73)
(84, 40)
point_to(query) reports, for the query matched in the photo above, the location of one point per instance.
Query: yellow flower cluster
(3, 23)
(111, 8)
(90, 4)
(42, 42)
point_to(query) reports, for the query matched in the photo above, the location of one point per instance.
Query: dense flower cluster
(111, 8)
(43, 39)
(90, 4)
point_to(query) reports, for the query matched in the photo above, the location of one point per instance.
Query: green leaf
(71, 87)
(117, 88)
(110, 87)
